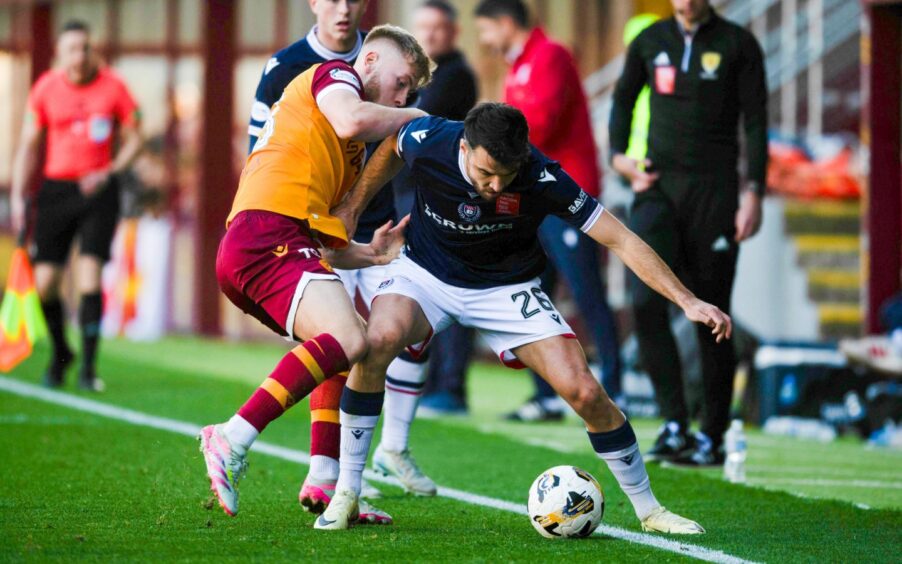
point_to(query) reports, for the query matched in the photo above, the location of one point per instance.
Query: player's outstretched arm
(648, 266)
(384, 248)
(352, 118)
(380, 168)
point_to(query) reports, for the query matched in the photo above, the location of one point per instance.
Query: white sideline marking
(878, 484)
(191, 430)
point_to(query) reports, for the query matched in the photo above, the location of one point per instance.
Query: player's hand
(388, 240)
(17, 213)
(93, 182)
(640, 179)
(748, 217)
(701, 312)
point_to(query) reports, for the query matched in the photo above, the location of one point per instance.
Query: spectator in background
(81, 108)
(450, 95)
(704, 73)
(544, 83)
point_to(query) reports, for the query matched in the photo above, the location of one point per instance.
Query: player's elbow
(348, 128)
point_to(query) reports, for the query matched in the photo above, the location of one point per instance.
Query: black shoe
(89, 382)
(705, 454)
(672, 441)
(534, 411)
(56, 372)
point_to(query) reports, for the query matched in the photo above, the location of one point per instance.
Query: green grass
(77, 486)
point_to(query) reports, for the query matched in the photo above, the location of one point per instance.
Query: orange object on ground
(21, 317)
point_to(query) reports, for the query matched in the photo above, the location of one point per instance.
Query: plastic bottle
(734, 465)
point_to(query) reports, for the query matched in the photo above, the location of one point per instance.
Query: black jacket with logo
(699, 89)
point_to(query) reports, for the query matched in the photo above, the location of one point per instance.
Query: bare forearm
(648, 266)
(640, 258)
(381, 168)
(130, 149)
(24, 167)
(355, 256)
(374, 122)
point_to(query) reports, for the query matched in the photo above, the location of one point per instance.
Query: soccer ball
(565, 502)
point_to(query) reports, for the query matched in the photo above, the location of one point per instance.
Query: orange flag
(22, 321)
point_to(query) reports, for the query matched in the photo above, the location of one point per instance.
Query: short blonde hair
(407, 44)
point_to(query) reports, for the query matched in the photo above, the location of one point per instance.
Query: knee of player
(384, 339)
(354, 345)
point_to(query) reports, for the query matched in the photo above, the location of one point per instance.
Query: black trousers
(689, 220)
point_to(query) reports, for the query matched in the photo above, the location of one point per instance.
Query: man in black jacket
(704, 72)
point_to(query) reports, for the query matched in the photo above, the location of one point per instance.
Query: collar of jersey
(461, 162)
(329, 54)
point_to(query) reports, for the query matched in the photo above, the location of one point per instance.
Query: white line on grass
(189, 429)
(876, 484)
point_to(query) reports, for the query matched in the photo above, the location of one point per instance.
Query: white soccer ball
(565, 502)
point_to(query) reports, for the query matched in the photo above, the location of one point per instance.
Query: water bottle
(734, 465)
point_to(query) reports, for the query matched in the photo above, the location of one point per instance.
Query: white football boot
(402, 466)
(341, 512)
(225, 466)
(662, 521)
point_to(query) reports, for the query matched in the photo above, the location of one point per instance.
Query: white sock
(628, 468)
(403, 388)
(322, 469)
(240, 433)
(356, 437)
(620, 451)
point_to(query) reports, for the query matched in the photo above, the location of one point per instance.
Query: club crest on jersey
(345, 76)
(710, 64)
(469, 212)
(468, 227)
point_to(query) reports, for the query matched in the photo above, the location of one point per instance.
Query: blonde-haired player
(275, 260)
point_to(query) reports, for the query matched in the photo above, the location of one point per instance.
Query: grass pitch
(76, 485)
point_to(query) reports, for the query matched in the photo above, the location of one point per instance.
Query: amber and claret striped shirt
(299, 167)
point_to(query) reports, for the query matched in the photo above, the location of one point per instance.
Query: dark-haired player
(473, 257)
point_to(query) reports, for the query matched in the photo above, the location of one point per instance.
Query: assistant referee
(704, 73)
(81, 108)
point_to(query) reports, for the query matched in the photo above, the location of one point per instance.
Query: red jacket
(544, 84)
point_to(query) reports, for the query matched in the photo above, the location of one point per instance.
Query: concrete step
(822, 217)
(834, 285)
(834, 252)
(840, 320)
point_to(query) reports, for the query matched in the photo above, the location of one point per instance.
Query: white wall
(770, 296)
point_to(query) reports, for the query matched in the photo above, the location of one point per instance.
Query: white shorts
(506, 316)
(366, 280)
